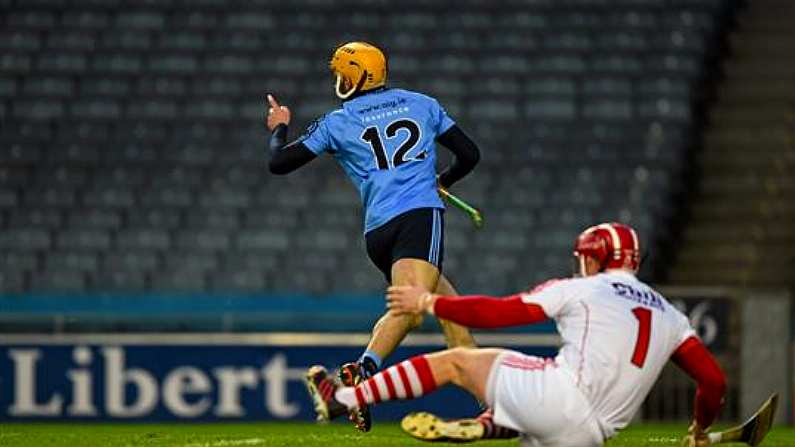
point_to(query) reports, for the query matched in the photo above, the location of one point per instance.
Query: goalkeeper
(384, 138)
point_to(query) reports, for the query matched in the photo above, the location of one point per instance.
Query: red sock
(406, 380)
(492, 430)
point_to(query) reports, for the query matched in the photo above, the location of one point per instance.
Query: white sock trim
(400, 390)
(382, 389)
(414, 378)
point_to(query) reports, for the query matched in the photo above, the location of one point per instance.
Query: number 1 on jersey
(644, 334)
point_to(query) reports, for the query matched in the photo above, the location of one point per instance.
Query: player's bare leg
(387, 334)
(429, 427)
(391, 329)
(454, 334)
(469, 369)
(466, 367)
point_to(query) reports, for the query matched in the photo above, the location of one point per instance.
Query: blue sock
(370, 362)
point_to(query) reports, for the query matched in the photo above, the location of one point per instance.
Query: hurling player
(617, 335)
(385, 140)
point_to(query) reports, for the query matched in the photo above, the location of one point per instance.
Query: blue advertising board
(207, 377)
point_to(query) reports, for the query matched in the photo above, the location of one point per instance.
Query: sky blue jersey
(384, 141)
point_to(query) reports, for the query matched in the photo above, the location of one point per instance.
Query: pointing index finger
(272, 101)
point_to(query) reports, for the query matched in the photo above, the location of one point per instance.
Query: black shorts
(417, 234)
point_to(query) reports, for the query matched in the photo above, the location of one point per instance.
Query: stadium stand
(742, 225)
(132, 145)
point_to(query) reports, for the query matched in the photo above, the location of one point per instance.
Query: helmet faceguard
(612, 245)
(358, 67)
(344, 87)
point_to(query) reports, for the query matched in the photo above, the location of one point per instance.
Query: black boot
(352, 374)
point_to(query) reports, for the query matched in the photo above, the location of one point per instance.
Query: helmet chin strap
(339, 92)
(357, 87)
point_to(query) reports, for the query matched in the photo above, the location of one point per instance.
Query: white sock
(347, 396)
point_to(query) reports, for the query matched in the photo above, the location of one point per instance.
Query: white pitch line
(228, 443)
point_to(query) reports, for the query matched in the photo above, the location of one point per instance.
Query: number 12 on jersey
(644, 334)
(373, 138)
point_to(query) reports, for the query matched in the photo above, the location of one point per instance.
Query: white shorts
(539, 399)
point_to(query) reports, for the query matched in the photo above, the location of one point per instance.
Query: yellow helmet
(358, 67)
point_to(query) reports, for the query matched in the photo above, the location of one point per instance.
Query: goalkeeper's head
(607, 246)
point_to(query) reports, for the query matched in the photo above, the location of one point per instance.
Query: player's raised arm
(474, 311)
(285, 158)
(694, 358)
(466, 154)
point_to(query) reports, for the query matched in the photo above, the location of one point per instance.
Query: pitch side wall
(206, 377)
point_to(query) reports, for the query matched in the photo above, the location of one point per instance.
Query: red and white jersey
(618, 333)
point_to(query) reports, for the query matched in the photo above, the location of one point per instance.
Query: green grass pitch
(286, 435)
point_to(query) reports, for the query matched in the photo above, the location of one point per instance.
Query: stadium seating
(132, 145)
(741, 214)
